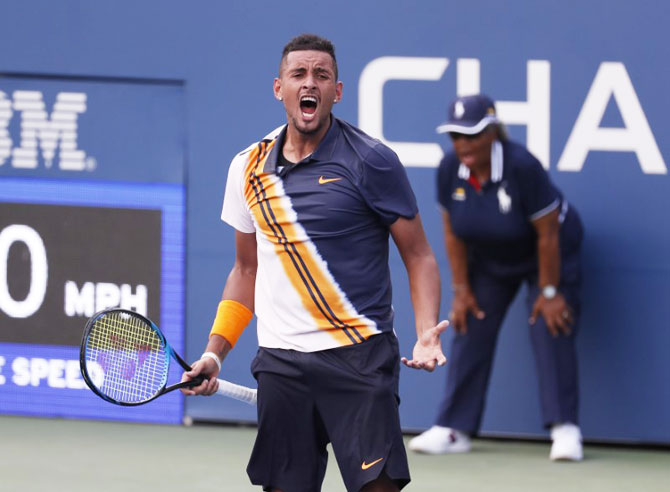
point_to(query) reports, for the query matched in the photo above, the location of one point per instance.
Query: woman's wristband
(231, 319)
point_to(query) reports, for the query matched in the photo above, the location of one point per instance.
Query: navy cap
(469, 115)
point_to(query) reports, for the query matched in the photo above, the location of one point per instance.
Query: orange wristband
(231, 319)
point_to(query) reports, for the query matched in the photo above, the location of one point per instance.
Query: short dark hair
(305, 42)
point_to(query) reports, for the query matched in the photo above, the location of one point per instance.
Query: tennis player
(313, 204)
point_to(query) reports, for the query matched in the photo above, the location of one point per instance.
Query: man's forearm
(219, 346)
(422, 271)
(240, 287)
(424, 283)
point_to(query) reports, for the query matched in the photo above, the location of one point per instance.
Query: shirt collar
(324, 151)
(496, 164)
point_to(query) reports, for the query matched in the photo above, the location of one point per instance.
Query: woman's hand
(556, 312)
(464, 302)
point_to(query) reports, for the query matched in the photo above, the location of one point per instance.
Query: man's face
(474, 150)
(308, 88)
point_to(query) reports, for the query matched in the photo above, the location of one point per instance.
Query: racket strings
(126, 358)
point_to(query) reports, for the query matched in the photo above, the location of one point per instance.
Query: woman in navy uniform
(505, 223)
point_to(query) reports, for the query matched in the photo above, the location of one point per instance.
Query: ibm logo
(40, 131)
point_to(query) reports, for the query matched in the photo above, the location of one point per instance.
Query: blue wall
(226, 54)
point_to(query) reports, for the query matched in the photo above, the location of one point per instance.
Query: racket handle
(241, 393)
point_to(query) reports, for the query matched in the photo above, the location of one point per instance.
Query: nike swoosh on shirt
(323, 180)
(365, 465)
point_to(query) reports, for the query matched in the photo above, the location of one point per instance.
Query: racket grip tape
(236, 391)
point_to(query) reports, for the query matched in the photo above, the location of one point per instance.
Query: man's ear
(338, 91)
(276, 87)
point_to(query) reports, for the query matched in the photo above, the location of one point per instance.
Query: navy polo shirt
(495, 221)
(322, 229)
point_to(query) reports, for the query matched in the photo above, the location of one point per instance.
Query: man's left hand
(427, 351)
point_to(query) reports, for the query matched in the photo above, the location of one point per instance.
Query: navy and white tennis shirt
(322, 230)
(495, 221)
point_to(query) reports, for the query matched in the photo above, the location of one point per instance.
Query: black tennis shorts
(347, 396)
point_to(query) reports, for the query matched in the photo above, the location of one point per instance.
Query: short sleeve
(538, 194)
(235, 211)
(444, 183)
(385, 186)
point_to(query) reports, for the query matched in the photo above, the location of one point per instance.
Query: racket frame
(169, 352)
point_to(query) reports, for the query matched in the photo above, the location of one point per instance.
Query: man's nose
(309, 81)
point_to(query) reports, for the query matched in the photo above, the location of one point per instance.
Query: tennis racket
(125, 358)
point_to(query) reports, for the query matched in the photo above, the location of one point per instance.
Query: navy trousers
(472, 356)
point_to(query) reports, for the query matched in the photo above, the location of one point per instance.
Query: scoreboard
(92, 215)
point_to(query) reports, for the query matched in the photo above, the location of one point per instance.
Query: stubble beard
(301, 129)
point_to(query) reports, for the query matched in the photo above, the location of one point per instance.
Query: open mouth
(308, 106)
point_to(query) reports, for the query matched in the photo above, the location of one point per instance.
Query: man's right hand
(464, 302)
(206, 368)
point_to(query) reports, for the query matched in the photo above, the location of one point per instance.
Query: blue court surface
(70, 455)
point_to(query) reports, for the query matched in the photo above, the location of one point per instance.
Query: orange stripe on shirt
(316, 289)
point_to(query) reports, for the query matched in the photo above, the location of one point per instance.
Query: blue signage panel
(92, 215)
(585, 93)
(87, 128)
(582, 85)
(67, 250)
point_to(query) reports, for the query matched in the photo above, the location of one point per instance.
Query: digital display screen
(67, 250)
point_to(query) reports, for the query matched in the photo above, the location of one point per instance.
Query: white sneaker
(567, 443)
(439, 440)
